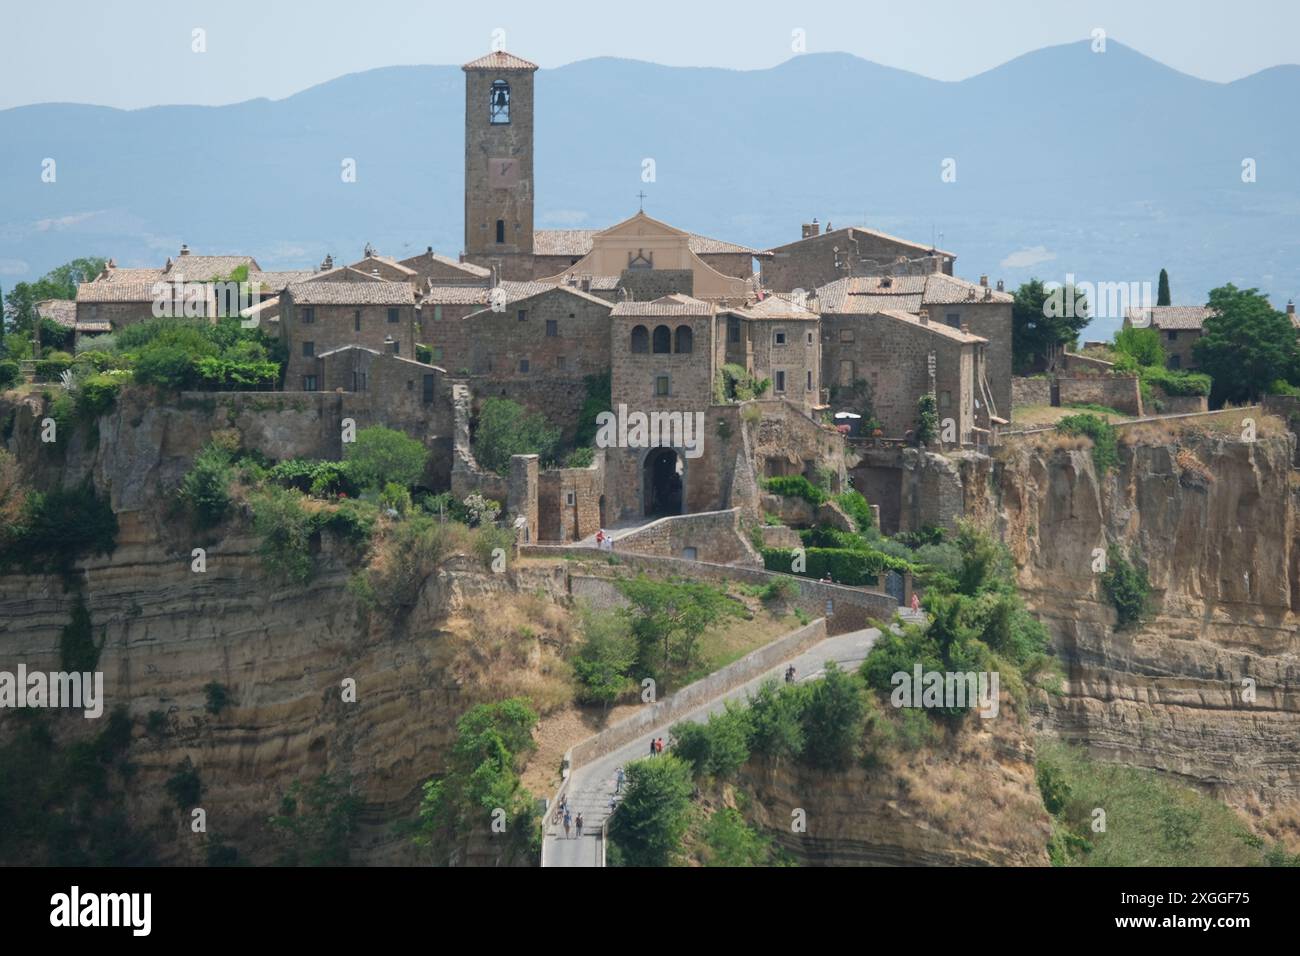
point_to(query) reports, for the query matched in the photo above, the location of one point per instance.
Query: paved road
(591, 786)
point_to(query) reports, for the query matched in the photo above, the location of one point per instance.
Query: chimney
(1001, 287)
(1290, 308)
(811, 229)
(924, 316)
(984, 281)
(327, 263)
(428, 250)
(185, 250)
(585, 283)
(965, 327)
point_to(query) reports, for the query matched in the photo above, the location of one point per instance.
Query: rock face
(1215, 522)
(282, 652)
(970, 800)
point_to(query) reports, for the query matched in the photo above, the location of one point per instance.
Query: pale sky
(139, 54)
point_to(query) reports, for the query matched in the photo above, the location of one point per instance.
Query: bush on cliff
(286, 530)
(795, 486)
(655, 814)
(56, 528)
(1127, 587)
(1105, 450)
(381, 455)
(9, 374)
(205, 489)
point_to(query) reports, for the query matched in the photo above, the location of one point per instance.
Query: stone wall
(809, 263)
(570, 502)
(1120, 392)
(714, 536)
(1180, 404)
(642, 285)
(1029, 391)
(336, 325)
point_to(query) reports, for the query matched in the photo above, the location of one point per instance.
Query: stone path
(591, 787)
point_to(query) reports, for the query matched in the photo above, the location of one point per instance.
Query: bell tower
(499, 164)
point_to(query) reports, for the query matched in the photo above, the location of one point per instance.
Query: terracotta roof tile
(499, 60)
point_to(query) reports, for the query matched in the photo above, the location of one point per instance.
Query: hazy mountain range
(1104, 165)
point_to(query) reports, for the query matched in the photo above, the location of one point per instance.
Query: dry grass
(512, 646)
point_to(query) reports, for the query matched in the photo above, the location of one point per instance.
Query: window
(501, 230)
(522, 315)
(954, 319)
(846, 373)
(523, 365)
(356, 321)
(570, 498)
(1172, 335)
(689, 553)
(397, 348)
(1175, 361)
(437, 313)
(499, 103)
(685, 339)
(308, 349)
(808, 340)
(661, 385)
(393, 316)
(552, 328)
(428, 389)
(308, 315)
(663, 340)
(733, 330)
(808, 387)
(309, 383)
(561, 362)
(436, 353)
(846, 335)
(778, 337)
(640, 339)
(410, 384)
(780, 381)
(358, 381)
(945, 399)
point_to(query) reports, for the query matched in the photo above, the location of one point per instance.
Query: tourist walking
(916, 603)
(654, 747)
(568, 820)
(578, 823)
(789, 674)
(619, 777)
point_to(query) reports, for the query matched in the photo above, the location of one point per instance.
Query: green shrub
(717, 748)
(1105, 450)
(423, 354)
(729, 841)
(49, 369)
(205, 489)
(184, 785)
(352, 521)
(10, 372)
(581, 457)
(322, 479)
(286, 531)
(604, 660)
(1174, 382)
(78, 651)
(927, 419)
(853, 567)
(856, 507)
(165, 366)
(503, 429)
(1142, 345)
(96, 395)
(834, 718)
(218, 696)
(1127, 587)
(795, 486)
(381, 455)
(213, 370)
(655, 813)
(57, 527)
(316, 822)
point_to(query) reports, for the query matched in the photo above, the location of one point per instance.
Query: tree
(655, 814)
(503, 429)
(1246, 345)
(1142, 345)
(605, 659)
(927, 420)
(59, 283)
(672, 614)
(316, 822)
(1162, 294)
(1042, 319)
(381, 455)
(834, 719)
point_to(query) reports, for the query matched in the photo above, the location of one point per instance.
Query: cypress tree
(1162, 294)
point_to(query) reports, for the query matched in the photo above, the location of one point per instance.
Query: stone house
(817, 258)
(777, 339)
(431, 268)
(1179, 326)
(318, 316)
(903, 356)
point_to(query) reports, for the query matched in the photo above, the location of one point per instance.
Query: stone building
(1179, 326)
(817, 258)
(778, 339)
(901, 356)
(437, 270)
(499, 164)
(979, 308)
(319, 316)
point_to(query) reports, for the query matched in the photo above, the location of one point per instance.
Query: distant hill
(1107, 166)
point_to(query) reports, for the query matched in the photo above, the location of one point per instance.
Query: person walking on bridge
(578, 823)
(619, 777)
(568, 820)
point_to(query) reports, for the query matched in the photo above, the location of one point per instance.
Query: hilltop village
(676, 322)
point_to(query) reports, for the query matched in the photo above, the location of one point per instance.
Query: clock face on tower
(503, 173)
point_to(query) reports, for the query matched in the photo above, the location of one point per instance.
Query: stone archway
(662, 483)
